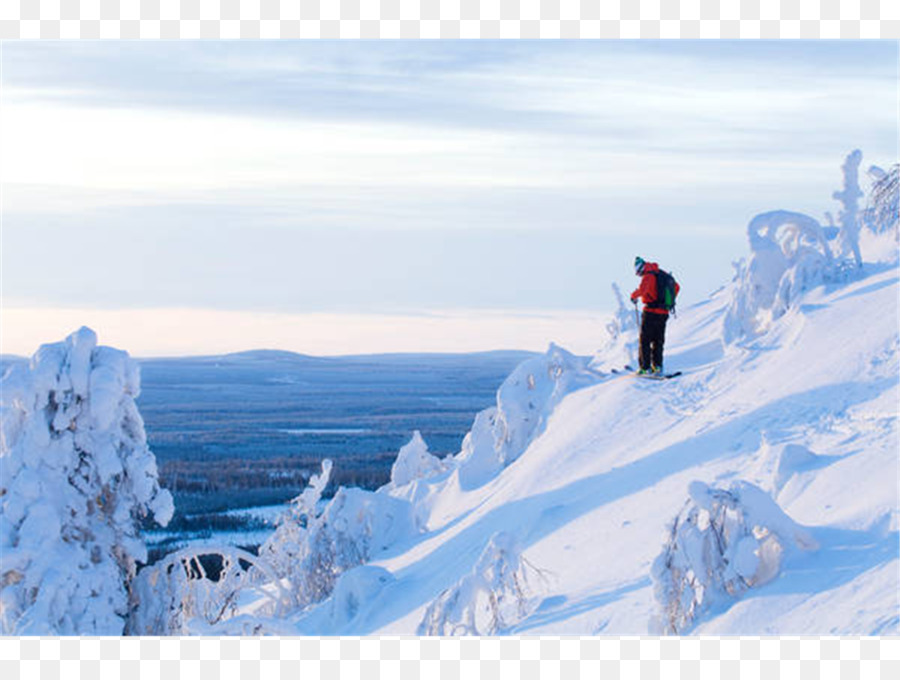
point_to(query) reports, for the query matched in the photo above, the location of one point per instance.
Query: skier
(657, 290)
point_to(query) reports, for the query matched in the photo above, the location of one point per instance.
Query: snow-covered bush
(310, 547)
(525, 400)
(721, 544)
(178, 595)
(499, 592)
(76, 479)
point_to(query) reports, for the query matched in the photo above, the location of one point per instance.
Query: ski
(652, 376)
(658, 376)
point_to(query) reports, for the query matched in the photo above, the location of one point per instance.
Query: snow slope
(806, 411)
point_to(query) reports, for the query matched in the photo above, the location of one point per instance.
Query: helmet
(639, 265)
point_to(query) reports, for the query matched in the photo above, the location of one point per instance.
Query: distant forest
(249, 429)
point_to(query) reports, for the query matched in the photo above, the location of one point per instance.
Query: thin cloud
(302, 177)
(184, 332)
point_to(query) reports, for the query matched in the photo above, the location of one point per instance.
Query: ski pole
(637, 319)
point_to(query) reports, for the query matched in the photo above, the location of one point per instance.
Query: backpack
(665, 291)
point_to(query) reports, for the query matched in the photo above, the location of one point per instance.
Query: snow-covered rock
(77, 479)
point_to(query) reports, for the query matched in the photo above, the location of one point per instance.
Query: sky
(346, 197)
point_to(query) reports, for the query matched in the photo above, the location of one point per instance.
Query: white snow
(755, 494)
(525, 401)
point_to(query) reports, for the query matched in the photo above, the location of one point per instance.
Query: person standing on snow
(657, 291)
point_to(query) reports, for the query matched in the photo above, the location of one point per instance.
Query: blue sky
(409, 178)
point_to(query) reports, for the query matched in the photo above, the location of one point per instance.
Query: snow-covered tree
(414, 476)
(622, 337)
(414, 462)
(287, 546)
(880, 239)
(312, 546)
(788, 256)
(77, 478)
(499, 592)
(849, 196)
(723, 543)
(882, 211)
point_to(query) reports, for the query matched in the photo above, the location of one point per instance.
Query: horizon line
(180, 332)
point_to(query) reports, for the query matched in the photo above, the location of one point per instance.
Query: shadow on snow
(540, 515)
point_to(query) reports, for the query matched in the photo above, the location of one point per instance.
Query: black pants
(653, 337)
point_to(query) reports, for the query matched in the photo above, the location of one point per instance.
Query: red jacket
(647, 290)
